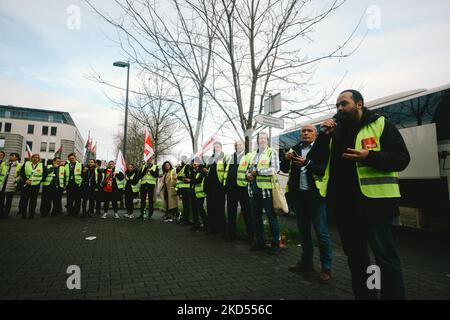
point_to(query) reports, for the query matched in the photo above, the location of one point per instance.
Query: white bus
(423, 118)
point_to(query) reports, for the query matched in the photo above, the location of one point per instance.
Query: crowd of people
(350, 168)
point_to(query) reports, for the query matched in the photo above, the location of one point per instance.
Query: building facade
(45, 131)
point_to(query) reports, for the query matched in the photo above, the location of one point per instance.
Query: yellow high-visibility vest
(372, 182)
(263, 182)
(34, 175)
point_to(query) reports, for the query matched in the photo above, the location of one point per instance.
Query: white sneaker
(132, 216)
(116, 216)
(126, 215)
(104, 216)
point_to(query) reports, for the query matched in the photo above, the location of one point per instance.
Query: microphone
(336, 119)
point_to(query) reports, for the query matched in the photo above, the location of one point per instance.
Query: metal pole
(270, 112)
(126, 115)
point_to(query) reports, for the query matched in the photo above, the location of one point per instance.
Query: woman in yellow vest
(168, 192)
(32, 174)
(264, 163)
(363, 153)
(199, 195)
(215, 191)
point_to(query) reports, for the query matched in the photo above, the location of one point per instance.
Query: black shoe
(258, 247)
(301, 268)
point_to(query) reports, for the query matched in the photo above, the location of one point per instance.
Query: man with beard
(363, 153)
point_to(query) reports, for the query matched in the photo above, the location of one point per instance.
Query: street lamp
(122, 64)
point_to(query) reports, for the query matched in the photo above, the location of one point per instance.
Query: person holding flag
(32, 173)
(110, 181)
(148, 176)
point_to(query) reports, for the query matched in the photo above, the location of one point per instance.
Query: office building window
(53, 131)
(30, 144)
(51, 147)
(7, 127)
(44, 130)
(1, 126)
(43, 146)
(31, 129)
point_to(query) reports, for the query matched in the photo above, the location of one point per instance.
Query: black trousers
(110, 197)
(198, 211)
(5, 207)
(356, 234)
(215, 203)
(28, 200)
(186, 200)
(98, 201)
(129, 197)
(88, 196)
(147, 192)
(51, 199)
(235, 196)
(73, 199)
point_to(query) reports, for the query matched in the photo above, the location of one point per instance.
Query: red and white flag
(29, 153)
(120, 163)
(148, 146)
(206, 146)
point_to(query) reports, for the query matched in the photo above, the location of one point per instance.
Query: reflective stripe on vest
(50, 176)
(199, 192)
(241, 173)
(3, 172)
(77, 173)
(220, 168)
(148, 178)
(121, 183)
(180, 183)
(34, 175)
(372, 182)
(135, 187)
(263, 182)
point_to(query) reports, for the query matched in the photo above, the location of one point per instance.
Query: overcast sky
(44, 63)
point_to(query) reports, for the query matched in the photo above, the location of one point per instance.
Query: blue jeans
(258, 204)
(310, 209)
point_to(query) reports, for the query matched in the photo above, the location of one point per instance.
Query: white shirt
(304, 185)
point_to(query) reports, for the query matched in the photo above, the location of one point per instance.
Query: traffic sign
(269, 121)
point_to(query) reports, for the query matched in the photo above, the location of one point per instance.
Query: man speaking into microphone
(363, 153)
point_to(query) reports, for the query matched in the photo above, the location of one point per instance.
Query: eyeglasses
(342, 103)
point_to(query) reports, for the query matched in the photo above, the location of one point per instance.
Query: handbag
(280, 205)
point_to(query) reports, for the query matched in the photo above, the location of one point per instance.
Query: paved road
(156, 260)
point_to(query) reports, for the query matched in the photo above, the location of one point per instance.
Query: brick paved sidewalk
(156, 260)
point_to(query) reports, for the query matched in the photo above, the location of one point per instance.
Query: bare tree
(263, 45)
(158, 116)
(180, 51)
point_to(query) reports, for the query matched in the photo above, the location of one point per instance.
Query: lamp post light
(122, 64)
